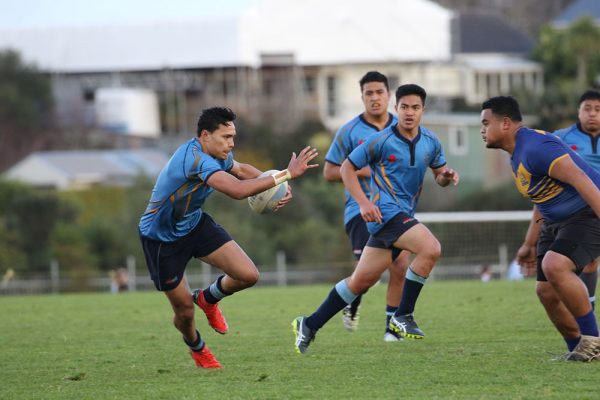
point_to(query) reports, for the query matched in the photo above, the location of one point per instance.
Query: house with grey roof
(72, 170)
(493, 54)
(577, 10)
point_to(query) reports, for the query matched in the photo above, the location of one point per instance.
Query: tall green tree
(28, 218)
(583, 38)
(25, 108)
(34, 216)
(571, 60)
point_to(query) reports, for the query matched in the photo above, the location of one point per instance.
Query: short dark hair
(211, 118)
(408, 89)
(590, 94)
(504, 106)
(374, 76)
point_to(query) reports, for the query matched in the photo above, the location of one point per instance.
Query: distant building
(69, 170)
(577, 10)
(281, 62)
(491, 54)
(127, 111)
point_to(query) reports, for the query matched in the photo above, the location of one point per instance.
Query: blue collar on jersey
(389, 121)
(412, 144)
(593, 139)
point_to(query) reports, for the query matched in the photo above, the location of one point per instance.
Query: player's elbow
(331, 173)
(248, 277)
(346, 169)
(329, 176)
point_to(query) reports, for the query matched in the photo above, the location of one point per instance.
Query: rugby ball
(265, 202)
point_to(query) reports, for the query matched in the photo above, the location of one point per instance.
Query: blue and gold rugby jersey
(347, 138)
(583, 143)
(535, 154)
(179, 193)
(398, 168)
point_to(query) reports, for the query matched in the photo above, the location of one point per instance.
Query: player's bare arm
(244, 171)
(238, 189)
(565, 170)
(444, 176)
(331, 172)
(235, 188)
(369, 211)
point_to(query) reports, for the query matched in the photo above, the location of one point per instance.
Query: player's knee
(253, 278)
(555, 263)
(433, 251)
(436, 250)
(552, 271)
(546, 294)
(363, 286)
(249, 277)
(184, 314)
(360, 286)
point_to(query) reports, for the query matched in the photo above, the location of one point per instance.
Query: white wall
(128, 111)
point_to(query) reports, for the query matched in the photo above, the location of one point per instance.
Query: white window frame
(457, 148)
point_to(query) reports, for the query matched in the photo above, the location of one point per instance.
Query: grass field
(484, 341)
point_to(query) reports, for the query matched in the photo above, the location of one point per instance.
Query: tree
(11, 256)
(27, 222)
(34, 216)
(571, 60)
(25, 108)
(583, 37)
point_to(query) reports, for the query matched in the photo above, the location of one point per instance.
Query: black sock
(331, 306)
(197, 345)
(590, 279)
(412, 288)
(217, 293)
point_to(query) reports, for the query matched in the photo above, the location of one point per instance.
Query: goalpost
(472, 240)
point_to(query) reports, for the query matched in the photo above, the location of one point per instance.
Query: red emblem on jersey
(391, 158)
(574, 147)
(361, 141)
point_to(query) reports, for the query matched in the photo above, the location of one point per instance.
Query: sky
(44, 13)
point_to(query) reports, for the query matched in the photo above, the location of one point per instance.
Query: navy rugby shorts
(167, 261)
(391, 231)
(577, 237)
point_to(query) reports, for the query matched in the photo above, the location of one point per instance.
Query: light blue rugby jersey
(398, 168)
(347, 138)
(535, 154)
(583, 143)
(175, 205)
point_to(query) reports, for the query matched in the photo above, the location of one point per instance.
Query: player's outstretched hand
(300, 163)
